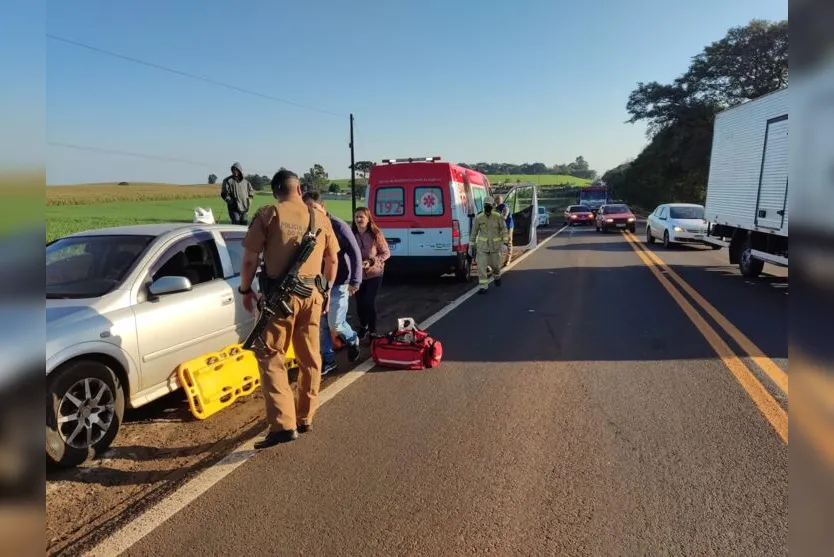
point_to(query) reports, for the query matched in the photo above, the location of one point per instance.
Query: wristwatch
(241, 291)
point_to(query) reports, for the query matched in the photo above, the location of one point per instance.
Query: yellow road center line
(763, 400)
(771, 368)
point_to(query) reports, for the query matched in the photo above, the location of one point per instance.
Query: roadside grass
(62, 220)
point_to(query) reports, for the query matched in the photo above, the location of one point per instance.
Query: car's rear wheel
(463, 271)
(84, 408)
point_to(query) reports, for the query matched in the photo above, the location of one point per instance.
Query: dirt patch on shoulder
(161, 445)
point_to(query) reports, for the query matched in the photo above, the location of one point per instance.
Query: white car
(543, 218)
(677, 223)
(124, 307)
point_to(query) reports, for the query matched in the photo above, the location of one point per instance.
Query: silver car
(124, 307)
(677, 223)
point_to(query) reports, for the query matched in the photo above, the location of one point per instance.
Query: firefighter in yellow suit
(489, 233)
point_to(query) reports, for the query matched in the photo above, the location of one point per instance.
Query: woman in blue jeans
(348, 279)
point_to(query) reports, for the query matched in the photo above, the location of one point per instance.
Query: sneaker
(328, 367)
(353, 351)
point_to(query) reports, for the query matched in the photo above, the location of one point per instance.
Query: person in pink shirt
(375, 252)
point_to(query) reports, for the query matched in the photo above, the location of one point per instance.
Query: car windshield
(686, 212)
(579, 209)
(613, 209)
(90, 266)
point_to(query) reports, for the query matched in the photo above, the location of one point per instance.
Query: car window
(234, 245)
(610, 209)
(389, 202)
(479, 196)
(662, 212)
(428, 201)
(91, 266)
(195, 258)
(686, 212)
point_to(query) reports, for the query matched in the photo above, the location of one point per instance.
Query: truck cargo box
(748, 175)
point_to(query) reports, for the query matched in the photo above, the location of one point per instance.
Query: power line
(147, 156)
(191, 76)
(129, 154)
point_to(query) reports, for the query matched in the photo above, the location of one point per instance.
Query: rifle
(275, 294)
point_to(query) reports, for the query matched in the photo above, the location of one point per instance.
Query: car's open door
(523, 203)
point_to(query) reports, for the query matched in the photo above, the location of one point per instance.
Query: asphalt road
(578, 411)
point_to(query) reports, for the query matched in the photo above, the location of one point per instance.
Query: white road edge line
(148, 521)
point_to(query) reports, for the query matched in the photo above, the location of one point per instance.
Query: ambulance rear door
(430, 233)
(390, 214)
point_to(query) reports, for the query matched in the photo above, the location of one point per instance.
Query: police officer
(276, 231)
(489, 233)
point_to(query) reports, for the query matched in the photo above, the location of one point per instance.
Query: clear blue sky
(522, 81)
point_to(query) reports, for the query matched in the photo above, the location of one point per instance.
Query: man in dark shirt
(348, 279)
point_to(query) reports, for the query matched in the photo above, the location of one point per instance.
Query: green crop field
(64, 218)
(70, 209)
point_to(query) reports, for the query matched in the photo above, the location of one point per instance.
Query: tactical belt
(317, 281)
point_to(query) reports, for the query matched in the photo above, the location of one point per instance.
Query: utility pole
(352, 170)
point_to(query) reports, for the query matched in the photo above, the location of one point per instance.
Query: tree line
(314, 179)
(317, 178)
(579, 168)
(750, 61)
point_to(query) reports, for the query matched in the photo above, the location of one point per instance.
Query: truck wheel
(749, 266)
(85, 404)
(463, 271)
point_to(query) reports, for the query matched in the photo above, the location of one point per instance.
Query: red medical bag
(407, 348)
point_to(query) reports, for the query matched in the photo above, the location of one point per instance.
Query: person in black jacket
(237, 192)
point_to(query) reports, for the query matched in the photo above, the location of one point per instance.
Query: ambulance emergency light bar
(413, 159)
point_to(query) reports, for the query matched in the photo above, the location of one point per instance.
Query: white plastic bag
(203, 216)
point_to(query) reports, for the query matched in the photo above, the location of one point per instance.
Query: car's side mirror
(169, 285)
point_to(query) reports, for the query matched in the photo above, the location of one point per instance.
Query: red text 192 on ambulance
(425, 208)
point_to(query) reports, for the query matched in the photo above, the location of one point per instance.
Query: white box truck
(747, 191)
